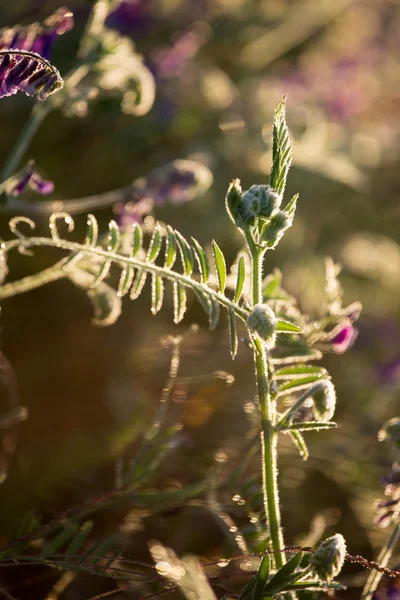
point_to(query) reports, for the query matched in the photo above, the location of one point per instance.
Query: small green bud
(276, 228)
(390, 432)
(262, 320)
(261, 201)
(233, 203)
(328, 560)
(324, 399)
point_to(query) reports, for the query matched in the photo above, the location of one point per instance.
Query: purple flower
(344, 338)
(170, 62)
(27, 72)
(29, 178)
(388, 588)
(130, 15)
(37, 37)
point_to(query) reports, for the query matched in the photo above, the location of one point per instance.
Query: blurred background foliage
(220, 66)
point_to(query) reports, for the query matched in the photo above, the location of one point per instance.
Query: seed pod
(328, 560)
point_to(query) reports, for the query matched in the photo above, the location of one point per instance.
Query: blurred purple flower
(37, 37)
(344, 338)
(170, 62)
(129, 16)
(389, 588)
(29, 178)
(389, 373)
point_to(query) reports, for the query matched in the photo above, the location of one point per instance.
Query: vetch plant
(294, 395)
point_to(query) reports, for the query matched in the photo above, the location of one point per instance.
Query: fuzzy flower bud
(233, 203)
(261, 201)
(328, 560)
(262, 320)
(390, 432)
(276, 228)
(324, 400)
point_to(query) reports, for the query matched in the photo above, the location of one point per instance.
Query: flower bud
(233, 202)
(262, 320)
(276, 228)
(324, 400)
(328, 560)
(390, 432)
(261, 201)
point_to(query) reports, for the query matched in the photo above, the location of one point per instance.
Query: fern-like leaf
(186, 254)
(281, 149)
(155, 245)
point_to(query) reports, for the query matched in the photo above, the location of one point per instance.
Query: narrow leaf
(291, 206)
(113, 237)
(300, 444)
(298, 384)
(125, 281)
(241, 274)
(214, 313)
(92, 232)
(102, 274)
(79, 539)
(202, 260)
(186, 254)
(285, 575)
(220, 266)
(233, 332)
(138, 284)
(155, 245)
(281, 149)
(262, 574)
(157, 293)
(137, 239)
(311, 426)
(179, 302)
(170, 249)
(55, 544)
(204, 300)
(286, 327)
(299, 371)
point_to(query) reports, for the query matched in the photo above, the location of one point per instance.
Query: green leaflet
(155, 245)
(299, 370)
(138, 284)
(232, 332)
(241, 274)
(113, 237)
(170, 250)
(281, 149)
(286, 327)
(125, 280)
(179, 302)
(220, 266)
(214, 313)
(285, 576)
(311, 426)
(300, 444)
(298, 384)
(137, 239)
(186, 254)
(92, 233)
(202, 260)
(157, 293)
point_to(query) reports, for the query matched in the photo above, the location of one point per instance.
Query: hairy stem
(383, 559)
(269, 434)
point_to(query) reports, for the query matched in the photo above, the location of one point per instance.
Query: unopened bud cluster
(324, 400)
(259, 203)
(328, 560)
(262, 320)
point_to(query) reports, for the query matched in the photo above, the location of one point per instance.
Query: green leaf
(113, 237)
(286, 575)
(125, 281)
(92, 233)
(157, 293)
(186, 254)
(52, 546)
(102, 274)
(155, 245)
(202, 260)
(233, 332)
(241, 274)
(286, 327)
(137, 239)
(298, 384)
(291, 206)
(138, 284)
(179, 302)
(170, 250)
(298, 371)
(248, 593)
(311, 426)
(300, 444)
(281, 149)
(272, 284)
(214, 313)
(79, 539)
(107, 544)
(262, 574)
(220, 266)
(204, 300)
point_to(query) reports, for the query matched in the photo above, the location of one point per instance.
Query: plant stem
(38, 113)
(383, 559)
(269, 435)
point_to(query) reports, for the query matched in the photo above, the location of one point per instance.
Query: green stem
(383, 559)
(269, 435)
(39, 112)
